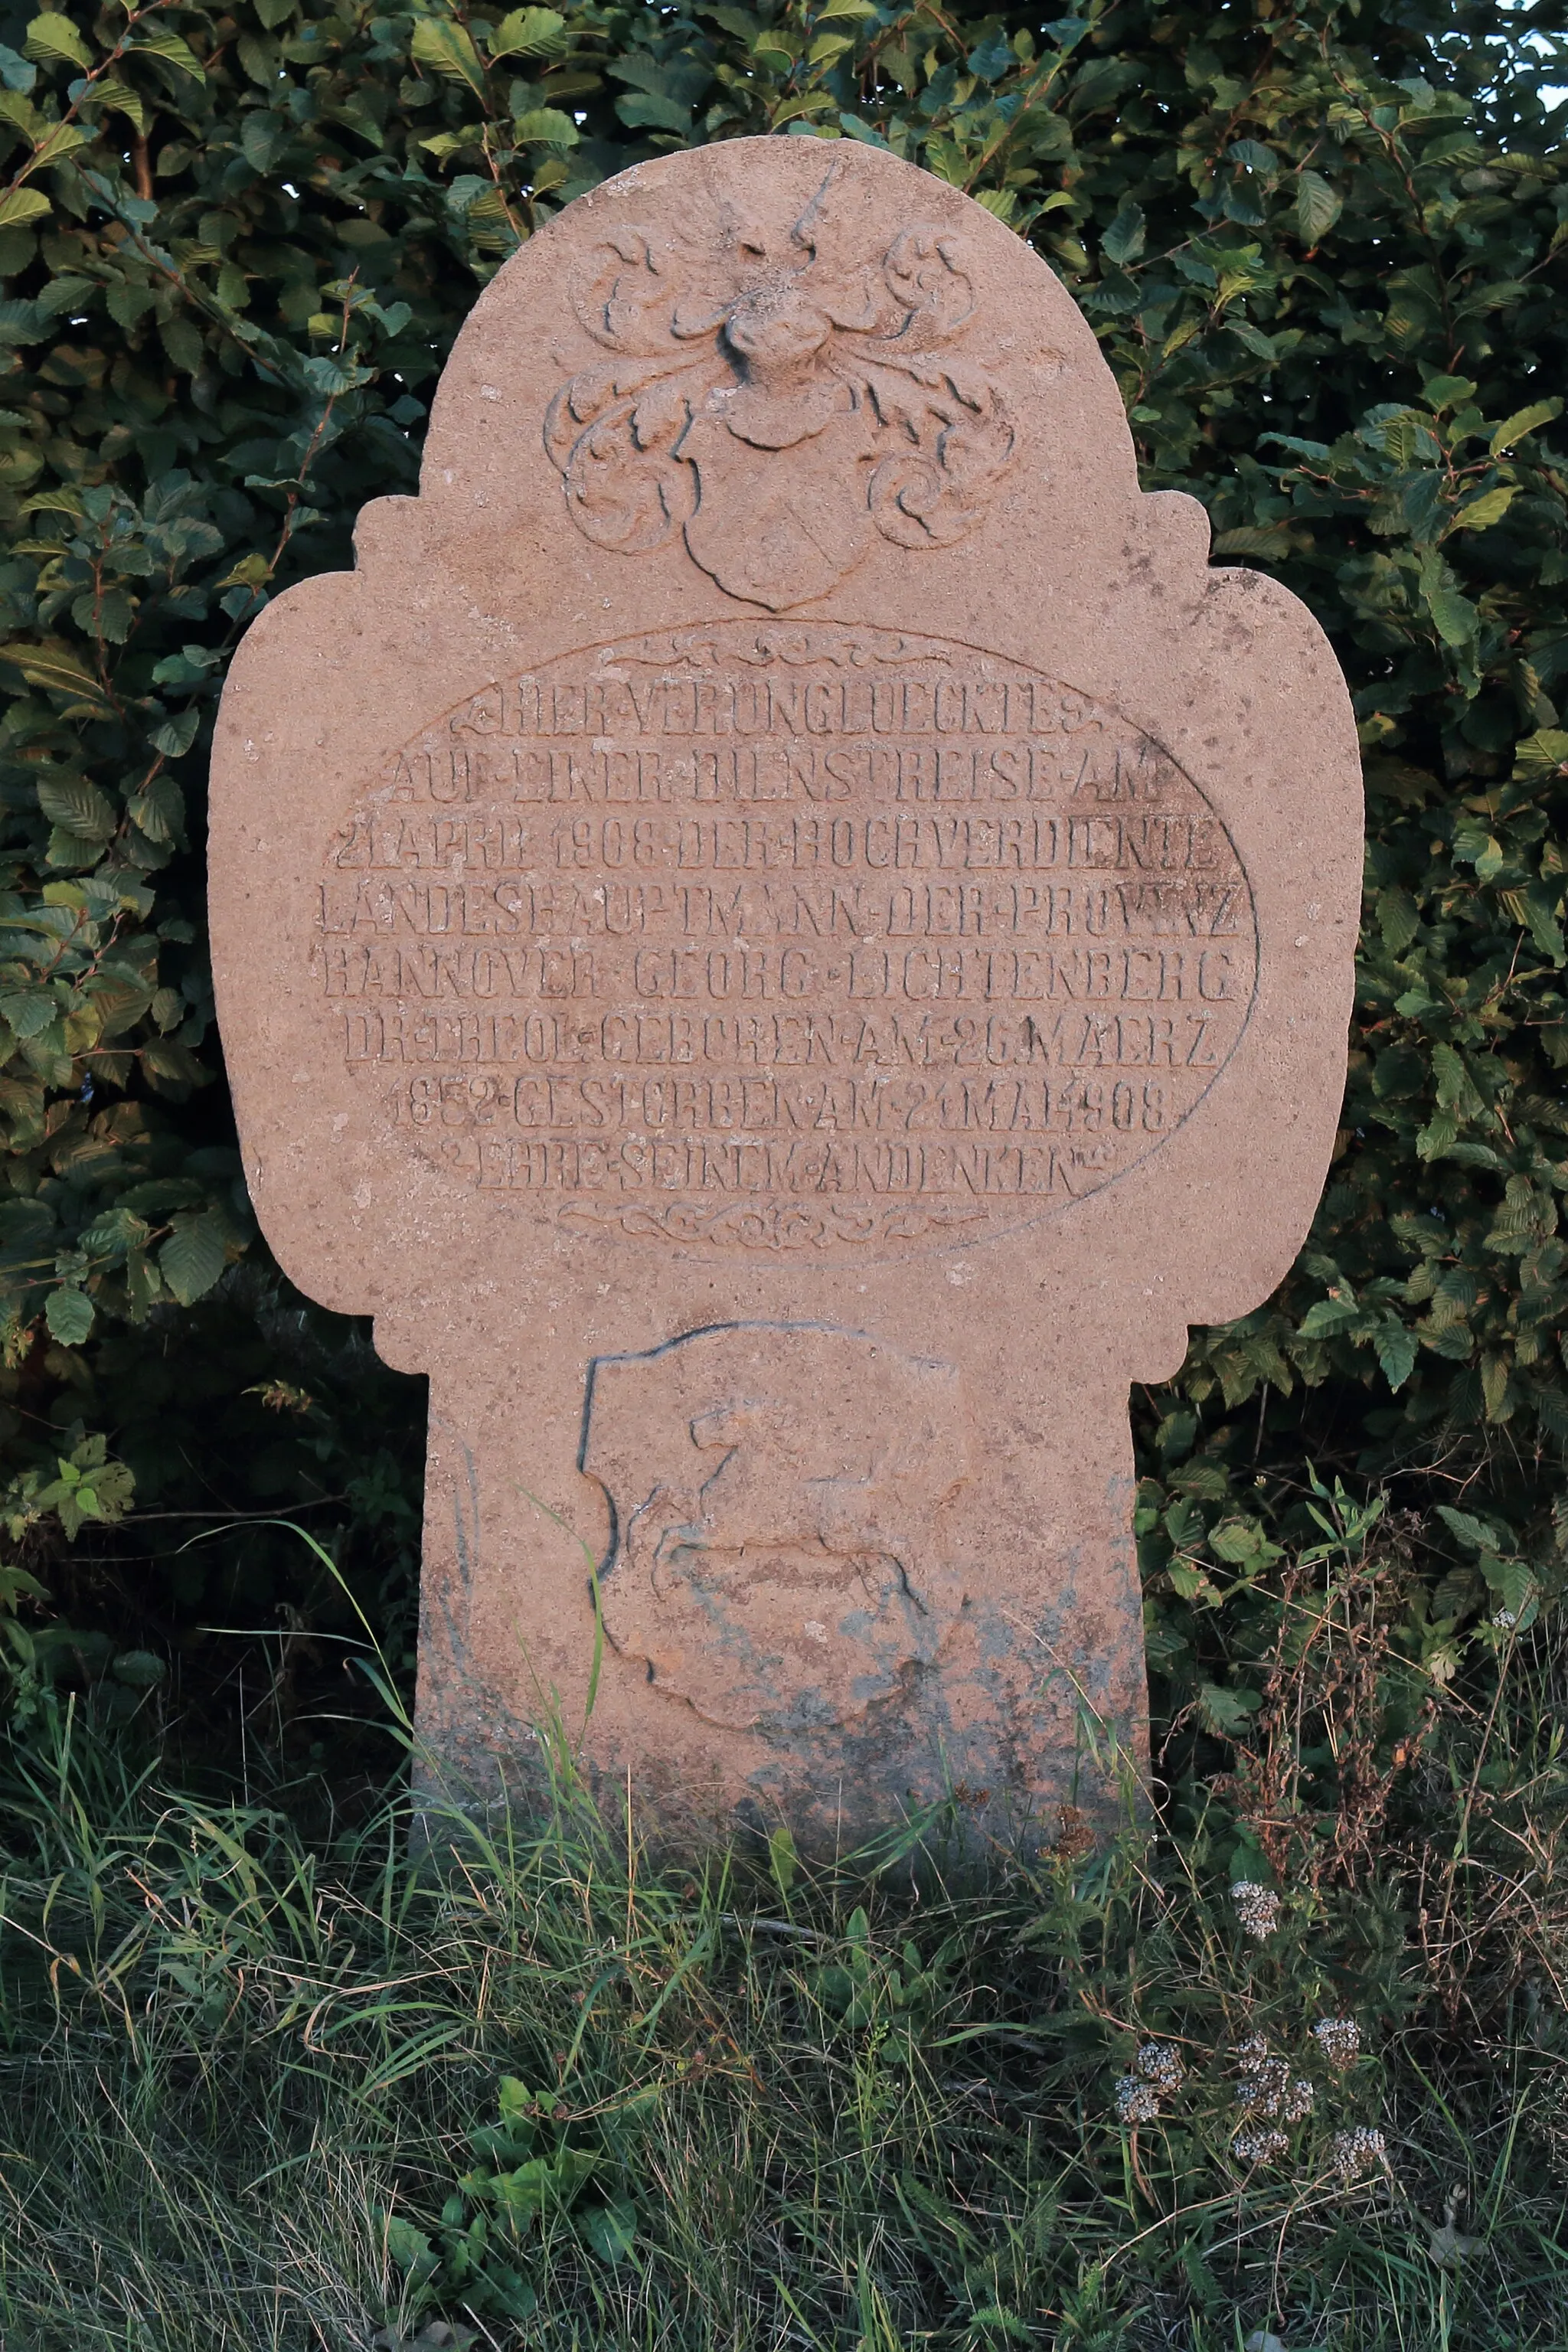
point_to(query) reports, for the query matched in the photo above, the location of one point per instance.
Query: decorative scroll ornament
(777, 400)
(770, 1225)
(795, 644)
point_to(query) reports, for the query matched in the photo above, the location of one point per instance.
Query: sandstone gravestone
(784, 935)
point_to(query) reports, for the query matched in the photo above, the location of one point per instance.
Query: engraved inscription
(783, 938)
(776, 1488)
(779, 395)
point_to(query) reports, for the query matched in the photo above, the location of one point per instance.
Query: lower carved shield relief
(777, 1494)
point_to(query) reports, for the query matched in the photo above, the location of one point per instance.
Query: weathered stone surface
(784, 935)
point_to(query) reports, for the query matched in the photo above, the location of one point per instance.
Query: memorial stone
(784, 935)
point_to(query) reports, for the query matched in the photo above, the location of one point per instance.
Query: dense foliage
(1323, 247)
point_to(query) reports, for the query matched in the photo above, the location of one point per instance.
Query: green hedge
(1323, 249)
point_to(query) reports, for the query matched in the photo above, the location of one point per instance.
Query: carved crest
(777, 1492)
(778, 399)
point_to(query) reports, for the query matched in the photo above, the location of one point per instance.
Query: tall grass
(258, 2094)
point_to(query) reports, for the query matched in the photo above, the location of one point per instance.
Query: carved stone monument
(784, 935)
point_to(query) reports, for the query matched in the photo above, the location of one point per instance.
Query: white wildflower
(1339, 2039)
(1261, 2088)
(1257, 1908)
(1265, 2085)
(1160, 2065)
(1505, 1620)
(1261, 2082)
(1358, 2151)
(1259, 2147)
(1158, 2073)
(1136, 2102)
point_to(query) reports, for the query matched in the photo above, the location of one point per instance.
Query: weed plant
(1281, 2065)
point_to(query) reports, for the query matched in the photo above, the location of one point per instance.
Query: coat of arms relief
(779, 1496)
(779, 397)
